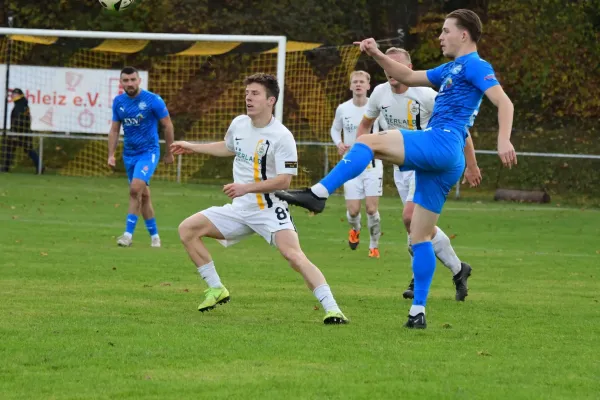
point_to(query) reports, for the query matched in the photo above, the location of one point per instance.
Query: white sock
(414, 310)
(209, 274)
(320, 191)
(127, 235)
(323, 294)
(374, 222)
(354, 221)
(444, 251)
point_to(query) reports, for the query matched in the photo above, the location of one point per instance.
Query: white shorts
(368, 184)
(236, 225)
(405, 183)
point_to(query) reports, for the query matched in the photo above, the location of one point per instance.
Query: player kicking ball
(139, 111)
(436, 153)
(265, 160)
(394, 105)
(369, 184)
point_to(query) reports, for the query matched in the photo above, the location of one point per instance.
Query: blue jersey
(461, 84)
(139, 116)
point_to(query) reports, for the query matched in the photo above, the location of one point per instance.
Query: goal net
(70, 83)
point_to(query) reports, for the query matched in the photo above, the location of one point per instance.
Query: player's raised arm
(217, 149)
(396, 70)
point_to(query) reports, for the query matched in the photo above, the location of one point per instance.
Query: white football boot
(124, 241)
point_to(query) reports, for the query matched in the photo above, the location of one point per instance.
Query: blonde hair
(360, 72)
(397, 50)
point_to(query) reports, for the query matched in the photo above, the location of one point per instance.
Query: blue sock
(423, 269)
(353, 163)
(131, 222)
(151, 226)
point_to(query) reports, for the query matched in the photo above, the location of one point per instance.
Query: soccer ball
(116, 5)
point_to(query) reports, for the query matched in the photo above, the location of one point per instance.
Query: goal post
(279, 40)
(70, 78)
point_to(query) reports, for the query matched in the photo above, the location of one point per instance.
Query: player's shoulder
(382, 87)
(423, 91)
(120, 98)
(146, 94)
(281, 130)
(346, 104)
(240, 120)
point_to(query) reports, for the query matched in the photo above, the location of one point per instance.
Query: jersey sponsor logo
(135, 121)
(447, 84)
(290, 164)
(142, 106)
(415, 108)
(384, 107)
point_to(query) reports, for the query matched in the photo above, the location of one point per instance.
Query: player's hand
(507, 153)
(472, 176)
(111, 161)
(342, 148)
(181, 147)
(233, 190)
(168, 158)
(368, 46)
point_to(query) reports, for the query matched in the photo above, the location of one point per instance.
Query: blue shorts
(437, 157)
(141, 166)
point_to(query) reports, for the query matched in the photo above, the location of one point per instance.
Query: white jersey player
(265, 161)
(401, 107)
(369, 184)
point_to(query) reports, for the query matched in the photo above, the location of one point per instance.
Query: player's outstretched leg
(191, 231)
(288, 244)
(313, 199)
(386, 146)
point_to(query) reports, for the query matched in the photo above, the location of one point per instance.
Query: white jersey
(260, 154)
(409, 110)
(347, 119)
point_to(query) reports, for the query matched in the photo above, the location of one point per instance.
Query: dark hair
(17, 91)
(468, 20)
(129, 71)
(268, 81)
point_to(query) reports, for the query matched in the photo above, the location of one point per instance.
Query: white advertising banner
(77, 100)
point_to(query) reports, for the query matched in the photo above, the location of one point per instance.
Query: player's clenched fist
(181, 147)
(111, 161)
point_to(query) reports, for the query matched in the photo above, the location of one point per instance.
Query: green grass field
(81, 318)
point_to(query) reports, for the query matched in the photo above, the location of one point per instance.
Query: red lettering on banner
(78, 100)
(94, 100)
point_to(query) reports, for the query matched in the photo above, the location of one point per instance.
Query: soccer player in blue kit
(139, 111)
(436, 153)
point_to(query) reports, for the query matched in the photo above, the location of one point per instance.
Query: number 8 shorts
(236, 225)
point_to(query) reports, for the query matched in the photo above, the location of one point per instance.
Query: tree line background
(546, 54)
